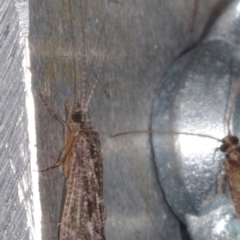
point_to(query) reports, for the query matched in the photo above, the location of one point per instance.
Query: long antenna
(82, 101)
(169, 133)
(73, 53)
(236, 91)
(108, 50)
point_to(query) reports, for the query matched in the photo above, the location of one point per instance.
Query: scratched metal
(195, 97)
(15, 172)
(148, 37)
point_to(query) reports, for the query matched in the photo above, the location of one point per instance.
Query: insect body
(232, 164)
(83, 212)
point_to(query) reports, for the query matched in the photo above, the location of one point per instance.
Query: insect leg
(53, 114)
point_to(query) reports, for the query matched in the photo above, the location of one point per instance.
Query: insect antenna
(79, 95)
(104, 59)
(81, 102)
(236, 91)
(167, 133)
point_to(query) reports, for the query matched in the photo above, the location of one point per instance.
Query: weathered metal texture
(16, 220)
(148, 37)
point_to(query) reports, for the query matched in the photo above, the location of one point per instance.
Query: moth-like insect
(83, 213)
(230, 146)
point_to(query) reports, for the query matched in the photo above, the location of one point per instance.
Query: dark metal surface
(195, 97)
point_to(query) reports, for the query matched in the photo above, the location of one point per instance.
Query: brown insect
(230, 146)
(83, 213)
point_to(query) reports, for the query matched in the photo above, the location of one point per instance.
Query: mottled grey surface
(16, 203)
(195, 97)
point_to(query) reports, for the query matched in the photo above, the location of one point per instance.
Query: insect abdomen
(232, 165)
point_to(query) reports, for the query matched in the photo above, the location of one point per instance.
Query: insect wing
(233, 177)
(83, 210)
